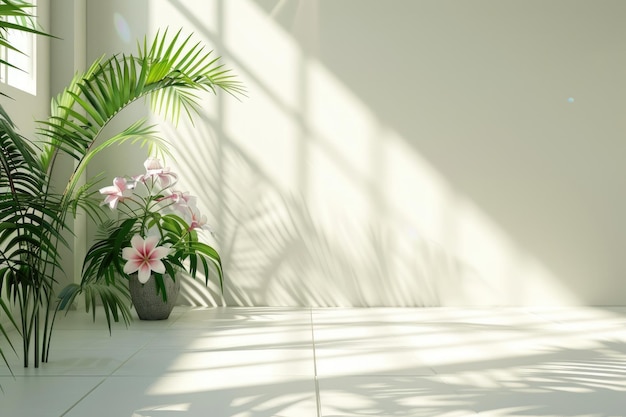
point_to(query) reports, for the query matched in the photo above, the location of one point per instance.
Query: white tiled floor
(287, 362)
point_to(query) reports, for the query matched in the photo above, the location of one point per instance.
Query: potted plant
(34, 219)
(154, 237)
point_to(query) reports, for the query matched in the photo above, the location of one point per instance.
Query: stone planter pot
(148, 304)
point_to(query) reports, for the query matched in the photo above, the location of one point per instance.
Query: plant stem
(45, 354)
(24, 319)
(36, 352)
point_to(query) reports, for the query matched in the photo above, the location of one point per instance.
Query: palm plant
(169, 70)
(25, 220)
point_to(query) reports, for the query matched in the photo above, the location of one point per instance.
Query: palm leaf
(110, 85)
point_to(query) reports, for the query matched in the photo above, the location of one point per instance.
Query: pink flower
(144, 256)
(155, 169)
(198, 220)
(139, 178)
(179, 199)
(152, 164)
(116, 192)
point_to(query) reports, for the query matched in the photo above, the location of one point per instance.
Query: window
(24, 76)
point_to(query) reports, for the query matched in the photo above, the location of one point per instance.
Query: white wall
(430, 152)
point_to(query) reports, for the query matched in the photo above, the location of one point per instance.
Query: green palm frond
(3, 331)
(99, 283)
(114, 298)
(168, 70)
(27, 214)
(186, 68)
(20, 172)
(102, 261)
(87, 200)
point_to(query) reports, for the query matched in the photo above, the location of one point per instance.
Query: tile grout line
(111, 374)
(317, 385)
(104, 378)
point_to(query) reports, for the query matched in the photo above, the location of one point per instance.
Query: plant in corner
(154, 236)
(28, 217)
(34, 218)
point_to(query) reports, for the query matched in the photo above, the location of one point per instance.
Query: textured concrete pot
(148, 304)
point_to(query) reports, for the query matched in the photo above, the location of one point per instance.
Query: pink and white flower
(144, 256)
(155, 169)
(180, 200)
(117, 192)
(198, 220)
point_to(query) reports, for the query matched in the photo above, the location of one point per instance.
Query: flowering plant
(155, 233)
